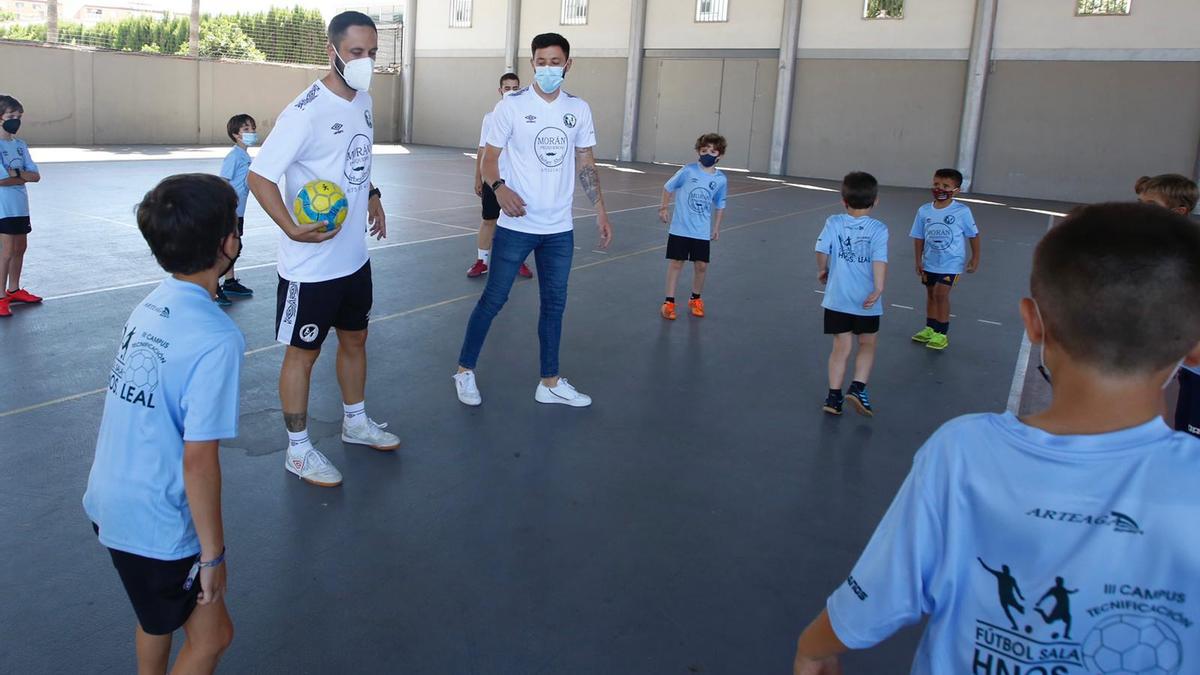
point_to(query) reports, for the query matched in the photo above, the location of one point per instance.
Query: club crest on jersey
(569, 120)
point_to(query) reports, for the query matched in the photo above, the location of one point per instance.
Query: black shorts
(155, 589)
(491, 207)
(304, 312)
(15, 225)
(931, 279)
(687, 248)
(241, 226)
(1187, 409)
(837, 323)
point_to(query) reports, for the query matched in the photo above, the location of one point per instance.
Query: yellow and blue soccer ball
(320, 201)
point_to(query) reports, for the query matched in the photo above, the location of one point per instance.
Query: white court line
(902, 306)
(87, 215)
(990, 323)
(1017, 390)
(414, 310)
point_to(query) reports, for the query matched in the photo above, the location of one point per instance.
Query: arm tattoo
(590, 181)
(295, 421)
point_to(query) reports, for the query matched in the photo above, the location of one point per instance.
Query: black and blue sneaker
(833, 403)
(235, 287)
(862, 402)
(221, 299)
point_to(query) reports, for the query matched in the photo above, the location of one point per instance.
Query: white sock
(484, 254)
(354, 411)
(298, 441)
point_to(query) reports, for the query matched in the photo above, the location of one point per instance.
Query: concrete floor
(691, 521)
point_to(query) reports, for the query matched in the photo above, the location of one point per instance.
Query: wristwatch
(497, 184)
(374, 193)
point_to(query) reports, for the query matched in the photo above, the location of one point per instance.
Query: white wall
(927, 24)
(671, 24)
(605, 34)
(1045, 24)
(488, 23)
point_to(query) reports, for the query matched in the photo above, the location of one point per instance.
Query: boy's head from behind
(860, 190)
(1116, 288)
(239, 124)
(190, 222)
(1171, 191)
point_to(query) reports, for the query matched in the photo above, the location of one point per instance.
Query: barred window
(574, 12)
(460, 13)
(1102, 7)
(712, 10)
(883, 9)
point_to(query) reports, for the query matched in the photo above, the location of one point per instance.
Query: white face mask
(357, 73)
(1046, 371)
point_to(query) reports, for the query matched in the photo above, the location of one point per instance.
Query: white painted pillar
(977, 72)
(633, 78)
(512, 36)
(783, 88)
(408, 56)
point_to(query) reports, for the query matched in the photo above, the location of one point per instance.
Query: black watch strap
(375, 193)
(497, 184)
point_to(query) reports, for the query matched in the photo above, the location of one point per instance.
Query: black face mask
(12, 125)
(233, 259)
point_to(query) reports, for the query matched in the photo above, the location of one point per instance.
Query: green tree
(221, 37)
(884, 9)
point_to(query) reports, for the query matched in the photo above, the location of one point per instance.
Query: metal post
(512, 36)
(409, 48)
(783, 88)
(977, 72)
(633, 77)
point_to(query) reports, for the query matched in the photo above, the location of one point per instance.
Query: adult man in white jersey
(548, 136)
(325, 277)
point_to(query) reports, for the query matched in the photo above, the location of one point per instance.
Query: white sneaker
(563, 393)
(312, 467)
(468, 393)
(369, 433)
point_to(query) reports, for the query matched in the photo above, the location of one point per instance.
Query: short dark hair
(235, 124)
(860, 190)
(549, 40)
(509, 76)
(953, 174)
(715, 140)
(1140, 184)
(1177, 190)
(9, 104)
(341, 23)
(1118, 286)
(185, 218)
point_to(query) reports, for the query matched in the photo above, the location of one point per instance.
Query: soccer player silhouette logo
(1062, 606)
(1006, 586)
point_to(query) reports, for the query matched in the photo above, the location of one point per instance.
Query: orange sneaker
(22, 295)
(668, 311)
(5, 311)
(697, 306)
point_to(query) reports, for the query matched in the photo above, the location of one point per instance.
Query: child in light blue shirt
(852, 254)
(17, 170)
(700, 190)
(941, 232)
(1061, 543)
(154, 491)
(243, 131)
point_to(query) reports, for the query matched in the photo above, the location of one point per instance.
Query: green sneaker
(939, 341)
(925, 335)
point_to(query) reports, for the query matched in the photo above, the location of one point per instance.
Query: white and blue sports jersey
(236, 169)
(14, 200)
(1036, 553)
(945, 232)
(697, 193)
(853, 246)
(175, 379)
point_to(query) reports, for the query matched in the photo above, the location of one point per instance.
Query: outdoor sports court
(691, 521)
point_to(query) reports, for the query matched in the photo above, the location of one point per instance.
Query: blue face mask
(708, 160)
(249, 137)
(548, 78)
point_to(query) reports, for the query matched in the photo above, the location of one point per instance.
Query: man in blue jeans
(547, 135)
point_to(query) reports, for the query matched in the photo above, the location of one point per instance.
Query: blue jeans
(553, 253)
